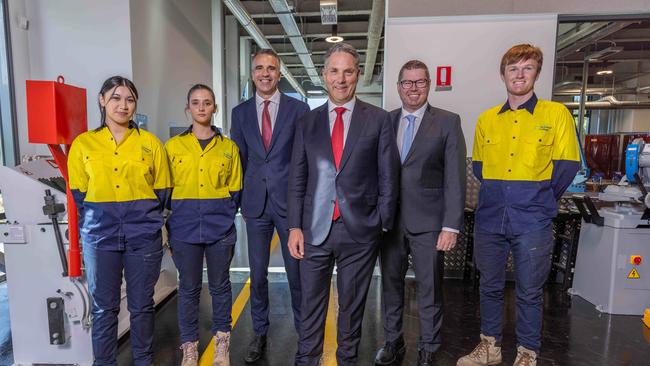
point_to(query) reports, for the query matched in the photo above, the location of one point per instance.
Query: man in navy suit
(343, 189)
(429, 214)
(263, 128)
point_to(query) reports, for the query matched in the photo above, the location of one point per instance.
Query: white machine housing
(34, 273)
(603, 266)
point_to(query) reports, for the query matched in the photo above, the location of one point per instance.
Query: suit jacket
(432, 183)
(366, 184)
(265, 172)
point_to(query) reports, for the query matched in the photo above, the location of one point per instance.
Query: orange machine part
(56, 112)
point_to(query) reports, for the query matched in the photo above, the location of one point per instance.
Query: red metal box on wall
(56, 112)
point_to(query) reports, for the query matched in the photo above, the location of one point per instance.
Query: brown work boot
(525, 357)
(221, 349)
(486, 353)
(190, 353)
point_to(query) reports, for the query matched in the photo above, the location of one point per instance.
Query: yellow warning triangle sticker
(633, 274)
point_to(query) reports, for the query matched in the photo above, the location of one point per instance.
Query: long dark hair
(110, 84)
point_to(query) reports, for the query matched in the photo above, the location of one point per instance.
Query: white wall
(422, 8)
(85, 41)
(473, 46)
(172, 50)
(634, 120)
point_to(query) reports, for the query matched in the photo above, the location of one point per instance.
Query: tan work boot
(525, 357)
(190, 353)
(221, 349)
(486, 353)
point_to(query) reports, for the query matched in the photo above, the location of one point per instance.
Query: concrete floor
(572, 335)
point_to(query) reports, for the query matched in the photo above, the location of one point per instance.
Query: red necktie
(266, 126)
(337, 149)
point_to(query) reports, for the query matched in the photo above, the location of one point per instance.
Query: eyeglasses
(408, 84)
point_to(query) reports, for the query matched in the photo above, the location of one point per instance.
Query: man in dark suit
(263, 128)
(430, 212)
(343, 190)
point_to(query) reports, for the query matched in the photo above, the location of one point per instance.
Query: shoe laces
(190, 350)
(525, 359)
(222, 344)
(480, 350)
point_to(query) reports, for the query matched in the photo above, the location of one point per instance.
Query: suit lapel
(420, 135)
(253, 126)
(280, 120)
(323, 129)
(357, 124)
(396, 118)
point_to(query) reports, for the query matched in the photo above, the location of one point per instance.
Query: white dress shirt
(347, 116)
(273, 108)
(403, 122)
(400, 136)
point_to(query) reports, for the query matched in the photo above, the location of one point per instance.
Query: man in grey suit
(430, 212)
(343, 188)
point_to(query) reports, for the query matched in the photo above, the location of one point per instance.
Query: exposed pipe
(583, 99)
(375, 27)
(610, 102)
(244, 18)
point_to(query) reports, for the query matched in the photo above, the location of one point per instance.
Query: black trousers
(428, 265)
(355, 263)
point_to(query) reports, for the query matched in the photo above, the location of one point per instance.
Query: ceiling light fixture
(604, 72)
(334, 38)
(604, 53)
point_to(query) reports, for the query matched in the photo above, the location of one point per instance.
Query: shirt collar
(348, 106)
(529, 105)
(418, 113)
(213, 127)
(275, 98)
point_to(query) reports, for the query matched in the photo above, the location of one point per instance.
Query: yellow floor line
(329, 346)
(237, 308)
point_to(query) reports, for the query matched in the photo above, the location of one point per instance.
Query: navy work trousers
(531, 254)
(140, 261)
(188, 258)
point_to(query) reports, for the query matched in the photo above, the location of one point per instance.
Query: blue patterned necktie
(408, 136)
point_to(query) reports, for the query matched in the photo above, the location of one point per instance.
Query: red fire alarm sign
(443, 78)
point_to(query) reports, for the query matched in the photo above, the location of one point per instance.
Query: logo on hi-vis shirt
(545, 128)
(227, 155)
(146, 150)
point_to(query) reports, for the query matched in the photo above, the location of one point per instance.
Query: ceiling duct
(610, 102)
(375, 27)
(285, 15)
(244, 18)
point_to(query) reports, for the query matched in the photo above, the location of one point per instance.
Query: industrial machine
(49, 303)
(612, 268)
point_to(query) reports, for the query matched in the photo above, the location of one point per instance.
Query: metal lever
(52, 210)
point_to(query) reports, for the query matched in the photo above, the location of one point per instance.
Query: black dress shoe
(256, 349)
(426, 358)
(390, 352)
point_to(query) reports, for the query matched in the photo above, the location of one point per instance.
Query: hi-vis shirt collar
(529, 105)
(213, 127)
(195, 142)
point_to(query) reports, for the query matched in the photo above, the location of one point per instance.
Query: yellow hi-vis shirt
(207, 185)
(120, 189)
(525, 160)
